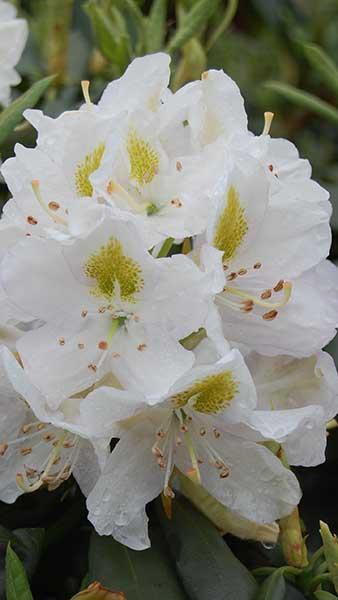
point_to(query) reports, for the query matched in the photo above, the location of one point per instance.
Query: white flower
(13, 37)
(50, 183)
(150, 167)
(38, 447)
(108, 305)
(191, 428)
(266, 250)
(296, 399)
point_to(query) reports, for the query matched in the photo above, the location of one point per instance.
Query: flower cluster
(13, 36)
(165, 296)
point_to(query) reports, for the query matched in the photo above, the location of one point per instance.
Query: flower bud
(330, 543)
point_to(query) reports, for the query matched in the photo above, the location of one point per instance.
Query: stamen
(3, 448)
(268, 116)
(85, 90)
(287, 288)
(269, 316)
(115, 188)
(37, 192)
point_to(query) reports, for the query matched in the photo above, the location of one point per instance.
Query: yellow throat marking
(90, 163)
(231, 227)
(108, 266)
(144, 160)
(210, 395)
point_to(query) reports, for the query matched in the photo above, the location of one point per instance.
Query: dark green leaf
(147, 574)
(17, 586)
(304, 100)
(28, 544)
(323, 65)
(12, 115)
(207, 567)
(192, 22)
(273, 587)
(156, 26)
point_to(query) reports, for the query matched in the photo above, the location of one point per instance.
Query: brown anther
(270, 168)
(269, 316)
(200, 461)
(103, 345)
(61, 341)
(179, 166)
(68, 444)
(40, 426)
(203, 431)
(55, 443)
(266, 294)
(225, 473)
(116, 355)
(157, 452)
(184, 428)
(80, 346)
(242, 272)
(92, 367)
(53, 206)
(102, 309)
(168, 492)
(247, 305)
(110, 187)
(141, 347)
(57, 460)
(176, 202)
(231, 276)
(25, 451)
(48, 437)
(160, 434)
(48, 479)
(3, 448)
(32, 220)
(219, 464)
(26, 428)
(257, 265)
(279, 286)
(216, 433)
(30, 472)
(225, 267)
(161, 463)
(28, 234)
(84, 313)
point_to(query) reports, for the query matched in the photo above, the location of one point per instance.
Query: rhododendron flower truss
(36, 449)
(191, 428)
(267, 268)
(13, 36)
(108, 305)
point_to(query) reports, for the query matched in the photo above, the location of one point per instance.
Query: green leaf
(273, 588)
(192, 22)
(139, 575)
(28, 544)
(323, 64)
(17, 586)
(111, 33)
(12, 115)
(322, 595)
(304, 100)
(156, 26)
(207, 567)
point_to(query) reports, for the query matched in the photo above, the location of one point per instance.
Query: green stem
(224, 24)
(166, 247)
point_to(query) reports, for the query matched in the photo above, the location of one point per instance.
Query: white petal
(130, 479)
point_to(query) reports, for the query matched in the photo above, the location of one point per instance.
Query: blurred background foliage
(283, 55)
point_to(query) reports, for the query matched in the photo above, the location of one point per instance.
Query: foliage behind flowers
(165, 298)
